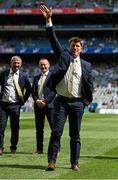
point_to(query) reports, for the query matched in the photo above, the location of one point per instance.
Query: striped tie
(18, 89)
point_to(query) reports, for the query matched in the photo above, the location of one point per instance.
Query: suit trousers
(11, 110)
(39, 123)
(74, 109)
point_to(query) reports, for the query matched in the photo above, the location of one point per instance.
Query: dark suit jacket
(49, 95)
(64, 58)
(23, 82)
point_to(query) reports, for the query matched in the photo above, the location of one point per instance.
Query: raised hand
(47, 12)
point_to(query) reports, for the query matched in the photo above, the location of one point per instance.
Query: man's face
(16, 64)
(75, 48)
(44, 65)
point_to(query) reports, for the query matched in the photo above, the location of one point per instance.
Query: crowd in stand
(105, 85)
(57, 3)
(105, 77)
(43, 42)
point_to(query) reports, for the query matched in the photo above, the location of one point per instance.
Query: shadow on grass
(100, 157)
(28, 166)
(23, 166)
(18, 153)
(25, 153)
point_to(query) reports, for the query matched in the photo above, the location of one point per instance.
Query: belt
(9, 103)
(70, 99)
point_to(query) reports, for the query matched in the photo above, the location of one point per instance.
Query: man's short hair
(16, 57)
(75, 40)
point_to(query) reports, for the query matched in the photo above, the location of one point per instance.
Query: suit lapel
(83, 66)
(20, 80)
(47, 78)
(6, 75)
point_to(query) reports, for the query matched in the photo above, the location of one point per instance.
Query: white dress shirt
(10, 94)
(62, 86)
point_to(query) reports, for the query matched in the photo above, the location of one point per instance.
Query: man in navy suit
(15, 90)
(43, 102)
(73, 82)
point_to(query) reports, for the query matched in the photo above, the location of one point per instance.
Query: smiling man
(43, 102)
(13, 84)
(72, 79)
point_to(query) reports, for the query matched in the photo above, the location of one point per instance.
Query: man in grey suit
(73, 82)
(15, 90)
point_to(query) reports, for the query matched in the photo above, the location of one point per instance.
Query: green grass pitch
(99, 151)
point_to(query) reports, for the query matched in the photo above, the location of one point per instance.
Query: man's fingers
(44, 8)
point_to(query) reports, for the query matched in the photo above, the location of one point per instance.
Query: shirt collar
(77, 59)
(11, 72)
(46, 73)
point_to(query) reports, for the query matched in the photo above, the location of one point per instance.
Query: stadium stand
(43, 42)
(58, 3)
(106, 86)
(25, 35)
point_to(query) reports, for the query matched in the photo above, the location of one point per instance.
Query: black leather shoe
(51, 167)
(39, 152)
(13, 151)
(75, 167)
(1, 151)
